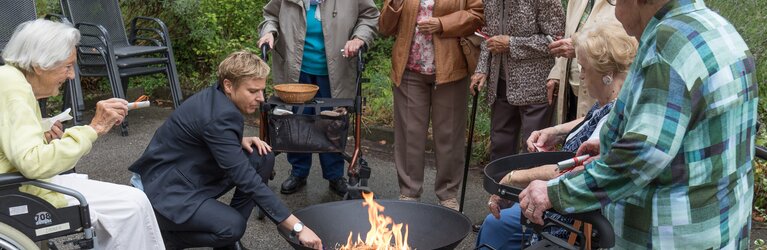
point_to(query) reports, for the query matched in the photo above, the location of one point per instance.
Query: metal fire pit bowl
(430, 226)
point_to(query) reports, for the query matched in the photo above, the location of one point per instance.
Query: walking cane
(468, 146)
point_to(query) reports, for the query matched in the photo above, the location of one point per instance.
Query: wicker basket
(296, 92)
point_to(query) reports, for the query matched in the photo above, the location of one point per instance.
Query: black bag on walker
(308, 133)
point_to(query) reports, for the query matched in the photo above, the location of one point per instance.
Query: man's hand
(495, 204)
(308, 238)
(562, 48)
(109, 113)
(430, 26)
(534, 200)
(352, 47)
(55, 133)
(551, 87)
(590, 147)
(499, 44)
(478, 79)
(268, 38)
(263, 148)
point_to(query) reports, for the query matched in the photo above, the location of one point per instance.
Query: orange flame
(380, 235)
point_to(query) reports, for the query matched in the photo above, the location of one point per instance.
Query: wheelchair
(29, 222)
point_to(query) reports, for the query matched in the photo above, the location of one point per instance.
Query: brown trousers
(510, 123)
(415, 101)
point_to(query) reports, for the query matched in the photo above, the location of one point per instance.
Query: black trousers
(216, 224)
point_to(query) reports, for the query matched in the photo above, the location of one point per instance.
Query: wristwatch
(297, 228)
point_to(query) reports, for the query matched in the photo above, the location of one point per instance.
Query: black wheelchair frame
(38, 220)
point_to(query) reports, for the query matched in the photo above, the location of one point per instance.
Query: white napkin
(64, 116)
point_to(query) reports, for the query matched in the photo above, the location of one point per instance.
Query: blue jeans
(505, 233)
(332, 163)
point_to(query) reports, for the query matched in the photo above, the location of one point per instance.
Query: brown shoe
(451, 203)
(407, 198)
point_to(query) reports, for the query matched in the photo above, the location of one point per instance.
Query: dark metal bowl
(430, 226)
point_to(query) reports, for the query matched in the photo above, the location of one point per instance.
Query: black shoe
(292, 184)
(236, 246)
(477, 226)
(338, 186)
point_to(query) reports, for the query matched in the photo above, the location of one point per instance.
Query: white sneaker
(407, 198)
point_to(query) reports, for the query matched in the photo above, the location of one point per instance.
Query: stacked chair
(106, 50)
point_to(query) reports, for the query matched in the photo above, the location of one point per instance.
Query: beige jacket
(601, 12)
(448, 56)
(342, 20)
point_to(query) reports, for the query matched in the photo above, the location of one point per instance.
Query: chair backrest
(13, 13)
(103, 12)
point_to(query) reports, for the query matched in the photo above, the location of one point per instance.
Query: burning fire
(380, 235)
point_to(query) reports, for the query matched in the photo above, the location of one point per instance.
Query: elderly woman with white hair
(604, 53)
(39, 57)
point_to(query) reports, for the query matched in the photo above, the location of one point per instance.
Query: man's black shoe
(236, 246)
(338, 186)
(292, 184)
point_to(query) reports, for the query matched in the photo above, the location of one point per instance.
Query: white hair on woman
(40, 43)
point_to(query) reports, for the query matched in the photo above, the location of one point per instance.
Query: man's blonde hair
(242, 65)
(607, 47)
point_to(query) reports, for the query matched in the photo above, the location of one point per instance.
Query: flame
(380, 235)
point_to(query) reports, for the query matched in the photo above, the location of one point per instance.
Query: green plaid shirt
(676, 150)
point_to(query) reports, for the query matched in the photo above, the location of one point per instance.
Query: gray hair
(40, 43)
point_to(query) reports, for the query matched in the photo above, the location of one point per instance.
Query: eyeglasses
(612, 2)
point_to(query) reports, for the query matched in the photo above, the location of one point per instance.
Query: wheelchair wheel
(12, 239)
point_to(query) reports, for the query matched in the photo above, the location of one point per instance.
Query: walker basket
(308, 133)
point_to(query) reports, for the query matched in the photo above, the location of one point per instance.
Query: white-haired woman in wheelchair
(604, 52)
(39, 57)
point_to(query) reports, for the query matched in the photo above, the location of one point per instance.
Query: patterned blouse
(421, 58)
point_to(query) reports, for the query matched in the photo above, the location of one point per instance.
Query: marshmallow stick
(138, 105)
(569, 163)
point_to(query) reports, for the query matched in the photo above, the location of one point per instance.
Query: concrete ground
(112, 154)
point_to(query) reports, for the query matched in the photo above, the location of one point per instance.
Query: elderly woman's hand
(551, 88)
(430, 26)
(534, 200)
(562, 48)
(268, 38)
(55, 133)
(478, 79)
(499, 44)
(543, 140)
(496, 203)
(109, 113)
(352, 47)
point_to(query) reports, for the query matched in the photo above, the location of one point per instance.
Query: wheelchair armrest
(12, 178)
(761, 152)
(600, 224)
(18, 178)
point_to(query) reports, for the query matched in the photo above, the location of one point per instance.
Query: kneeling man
(200, 153)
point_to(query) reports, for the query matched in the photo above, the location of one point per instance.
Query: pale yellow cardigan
(22, 141)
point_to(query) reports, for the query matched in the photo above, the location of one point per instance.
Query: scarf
(308, 3)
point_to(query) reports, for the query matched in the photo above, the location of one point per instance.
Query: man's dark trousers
(216, 224)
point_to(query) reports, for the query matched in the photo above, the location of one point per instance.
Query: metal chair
(106, 51)
(15, 12)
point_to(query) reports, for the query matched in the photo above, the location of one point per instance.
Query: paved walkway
(112, 154)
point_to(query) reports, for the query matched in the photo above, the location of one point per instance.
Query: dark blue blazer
(197, 155)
